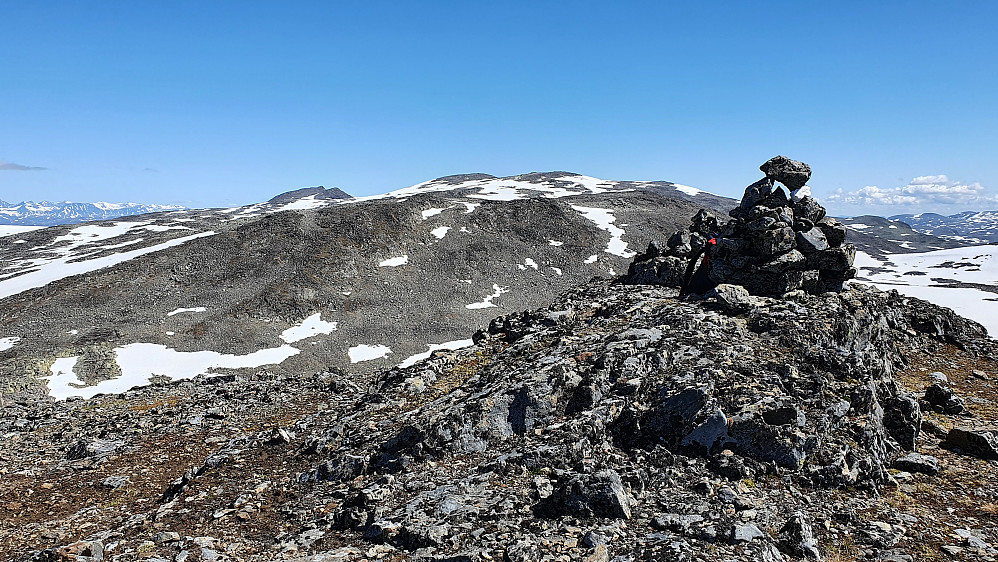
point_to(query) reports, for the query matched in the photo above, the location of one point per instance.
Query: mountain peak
(318, 192)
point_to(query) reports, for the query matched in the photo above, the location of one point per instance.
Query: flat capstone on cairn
(773, 244)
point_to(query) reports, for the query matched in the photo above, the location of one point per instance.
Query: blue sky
(220, 103)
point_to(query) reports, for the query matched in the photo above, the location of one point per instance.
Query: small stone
(939, 377)
(915, 462)
(746, 533)
(115, 482)
(166, 536)
(594, 539)
(279, 436)
(732, 297)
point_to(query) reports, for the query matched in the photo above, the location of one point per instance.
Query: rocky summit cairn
(774, 243)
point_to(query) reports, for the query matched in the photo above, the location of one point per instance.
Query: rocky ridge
(617, 423)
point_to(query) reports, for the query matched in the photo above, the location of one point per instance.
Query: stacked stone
(774, 243)
(778, 243)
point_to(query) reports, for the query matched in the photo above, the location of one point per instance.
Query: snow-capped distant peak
(47, 213)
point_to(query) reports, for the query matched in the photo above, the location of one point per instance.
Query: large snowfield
(941, 277)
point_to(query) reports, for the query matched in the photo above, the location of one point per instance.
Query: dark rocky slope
(265, 270)
(616, 423)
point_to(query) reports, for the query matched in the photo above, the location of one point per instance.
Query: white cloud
(923, 190)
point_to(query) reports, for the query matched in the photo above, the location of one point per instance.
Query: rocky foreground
(619, 423)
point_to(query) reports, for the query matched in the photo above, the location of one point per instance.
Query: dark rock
(790, 173)
(834, 231)
(668, 271)
(789, 261)
(903, 420)
(797, 539)
(833, 259)
(774, 242)
(750, 435)
(942, 399)
(676, 523)
(915, 462)
(980, 444)
(784, 415)
(809, 208)
(679, 244)
(96, 448)
(812, 240)
(755, 193)
(802, 225)
(704, 223)
(589, 495)
(689, 421)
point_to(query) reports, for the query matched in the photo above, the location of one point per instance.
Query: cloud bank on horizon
(923, 193)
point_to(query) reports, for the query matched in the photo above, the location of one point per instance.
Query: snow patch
(395, 262)
(691, 191)
(7, 343)
(141, 361)
(432, 212)
(557, 270)
(591, 259)
(450, 345)
(604, 220)
(365, 352)
(180, 310)
(555, 243)
(309, 202)
(487, 302)
(527, 263)
(311, 326)
(8, 229)
(440, 231)
(56, 269)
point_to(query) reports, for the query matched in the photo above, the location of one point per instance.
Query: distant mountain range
(973, 227)
(46, 213)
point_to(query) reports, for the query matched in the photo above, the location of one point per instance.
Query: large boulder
(976, 443)
(790, 173)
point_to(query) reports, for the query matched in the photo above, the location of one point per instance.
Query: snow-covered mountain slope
(964, 279)
(307, 282)
(48, 213)
(879, 236)
(975, 227)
